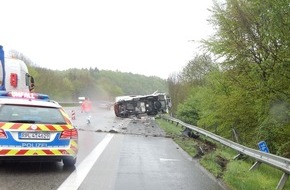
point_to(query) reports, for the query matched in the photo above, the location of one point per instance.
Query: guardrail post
(236, 136)
(256, 164)
(238, 156)
(282, 181)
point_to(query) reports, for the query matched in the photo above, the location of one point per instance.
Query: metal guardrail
(278, 162)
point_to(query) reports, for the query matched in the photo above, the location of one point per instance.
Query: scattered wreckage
(140, 105)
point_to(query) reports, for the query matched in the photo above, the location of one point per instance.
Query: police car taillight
(69, 134)
(24, 95)
(2, 134)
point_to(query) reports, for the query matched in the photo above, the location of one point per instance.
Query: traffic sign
(263, 146)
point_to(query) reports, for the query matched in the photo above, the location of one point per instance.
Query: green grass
(239, 177)
(170, 129)
(235, 174)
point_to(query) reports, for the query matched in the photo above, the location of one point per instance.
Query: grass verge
(218, 160)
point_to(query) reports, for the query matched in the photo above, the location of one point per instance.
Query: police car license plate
(34, 135)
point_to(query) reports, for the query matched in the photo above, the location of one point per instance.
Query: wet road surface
(114, 153)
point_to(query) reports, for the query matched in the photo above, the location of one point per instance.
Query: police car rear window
(30, 114)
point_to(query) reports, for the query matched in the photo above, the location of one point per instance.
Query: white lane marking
(82, 170)
(168, 160)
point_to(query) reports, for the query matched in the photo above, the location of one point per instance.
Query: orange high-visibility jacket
(86, 106)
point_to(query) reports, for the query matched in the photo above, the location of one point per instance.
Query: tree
(196, 69)
(252, 38)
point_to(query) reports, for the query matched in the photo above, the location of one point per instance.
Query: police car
(34, 128)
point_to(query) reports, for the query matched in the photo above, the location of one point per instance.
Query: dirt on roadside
(145, 126)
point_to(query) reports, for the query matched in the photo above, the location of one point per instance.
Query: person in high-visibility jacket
(87, 108)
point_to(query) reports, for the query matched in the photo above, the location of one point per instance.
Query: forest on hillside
(68, 85)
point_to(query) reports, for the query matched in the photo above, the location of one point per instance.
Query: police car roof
(28, 102)
(26, 98)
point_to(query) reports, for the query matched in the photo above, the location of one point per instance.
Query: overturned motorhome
(139, 105)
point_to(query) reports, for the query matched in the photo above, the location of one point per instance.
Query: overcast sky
(149, 37)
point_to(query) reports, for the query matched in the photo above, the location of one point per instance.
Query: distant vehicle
(34, 128)
(151, 105)
(14, 74)
(81, 99)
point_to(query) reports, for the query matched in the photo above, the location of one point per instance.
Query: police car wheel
(68, 162)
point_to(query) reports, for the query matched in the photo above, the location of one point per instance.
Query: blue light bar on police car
(24, 95)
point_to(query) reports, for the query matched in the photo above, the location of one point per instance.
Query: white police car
(33, 128)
